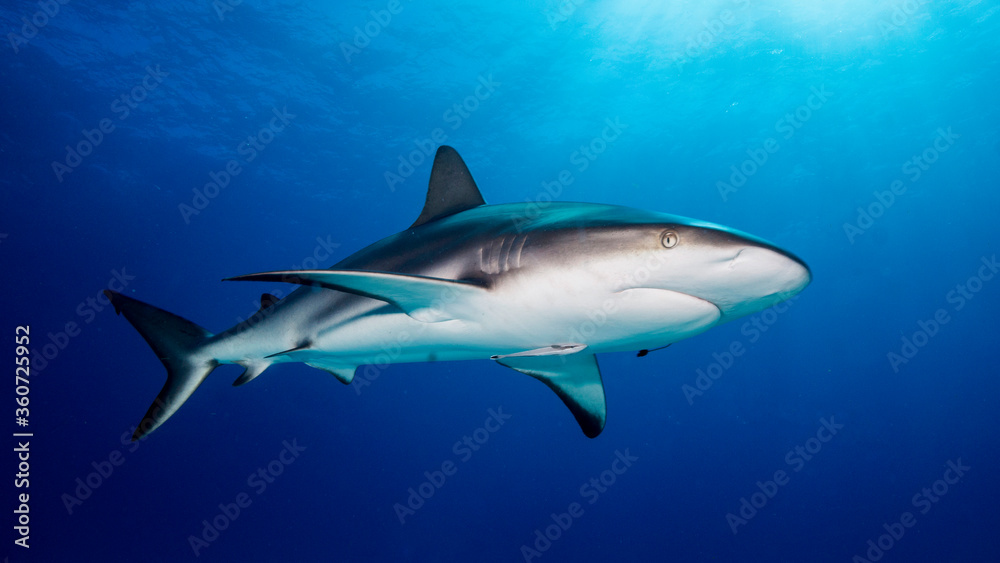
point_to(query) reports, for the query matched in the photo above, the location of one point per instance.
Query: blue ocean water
(158, 149)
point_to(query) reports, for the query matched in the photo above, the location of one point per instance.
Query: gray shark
(541, 290)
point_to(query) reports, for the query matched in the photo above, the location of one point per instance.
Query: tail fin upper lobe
(179, 344)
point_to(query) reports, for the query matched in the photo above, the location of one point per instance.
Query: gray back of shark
(539, 290)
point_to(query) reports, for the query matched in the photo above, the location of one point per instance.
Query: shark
(539, 289)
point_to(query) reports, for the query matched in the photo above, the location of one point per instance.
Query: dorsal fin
(267, 300)
(451, 188)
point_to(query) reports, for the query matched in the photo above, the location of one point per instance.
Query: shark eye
(669, 239)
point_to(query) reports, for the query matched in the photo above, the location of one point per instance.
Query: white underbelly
(510, 323)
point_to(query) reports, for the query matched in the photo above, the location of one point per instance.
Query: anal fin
(250, 373)
(344, 374)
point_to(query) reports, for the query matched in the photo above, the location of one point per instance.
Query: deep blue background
(697, 84)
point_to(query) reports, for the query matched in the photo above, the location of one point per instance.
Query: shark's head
(738, 273)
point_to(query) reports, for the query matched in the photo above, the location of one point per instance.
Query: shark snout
(760, 276)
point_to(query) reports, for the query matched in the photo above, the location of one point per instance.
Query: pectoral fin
(576, 378)
(423, 298)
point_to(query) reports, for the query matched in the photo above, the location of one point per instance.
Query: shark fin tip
(112, 297)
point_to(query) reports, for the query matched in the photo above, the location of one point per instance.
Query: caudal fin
(177, 342)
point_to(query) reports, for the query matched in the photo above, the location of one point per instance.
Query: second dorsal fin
(451, 188)
(267, 300)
